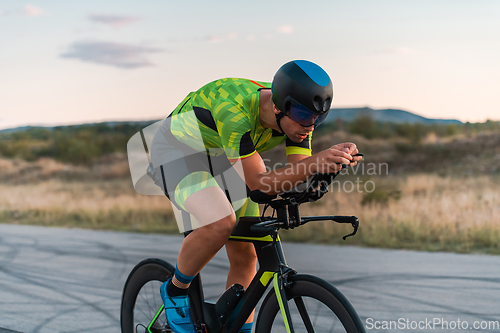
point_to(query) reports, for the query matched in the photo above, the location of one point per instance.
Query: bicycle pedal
(201, 328)
(167, 329)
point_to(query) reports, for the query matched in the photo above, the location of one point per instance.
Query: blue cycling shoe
(177, 311)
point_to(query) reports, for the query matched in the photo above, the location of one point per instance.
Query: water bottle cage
(228, 301)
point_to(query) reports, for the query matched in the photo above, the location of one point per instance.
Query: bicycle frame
(271, 261)
(272, 266)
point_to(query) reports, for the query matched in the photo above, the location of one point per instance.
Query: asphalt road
(70, 280)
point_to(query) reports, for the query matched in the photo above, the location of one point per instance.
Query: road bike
(295, 302)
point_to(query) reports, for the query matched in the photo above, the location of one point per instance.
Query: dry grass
(18, 171)
(415, 211)
(432, 213)
(100, 196)
(109, 204)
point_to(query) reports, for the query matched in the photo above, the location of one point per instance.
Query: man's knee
(223, 227)
(241, 255)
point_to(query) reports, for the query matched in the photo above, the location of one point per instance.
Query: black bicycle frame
(271, 261)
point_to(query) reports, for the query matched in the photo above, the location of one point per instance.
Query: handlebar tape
(345, 219)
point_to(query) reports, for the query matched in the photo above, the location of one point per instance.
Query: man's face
(294, 131)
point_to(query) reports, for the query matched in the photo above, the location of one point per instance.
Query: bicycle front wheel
(315, 306)
(141, 298)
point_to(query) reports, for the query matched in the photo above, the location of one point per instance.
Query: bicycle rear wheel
(315, 306)
(141, 296)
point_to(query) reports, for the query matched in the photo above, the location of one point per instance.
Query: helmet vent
(326, 106)
(317, 103)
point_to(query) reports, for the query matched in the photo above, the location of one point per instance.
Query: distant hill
(346, 114)
(108, 124)
(384, 116)
(21, 129)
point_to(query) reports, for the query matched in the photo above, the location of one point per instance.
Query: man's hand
(351, 149)
(330, 160)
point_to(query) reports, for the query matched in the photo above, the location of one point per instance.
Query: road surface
(70, 280)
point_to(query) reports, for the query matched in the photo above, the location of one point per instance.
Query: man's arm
(295, 158)
(274, 182)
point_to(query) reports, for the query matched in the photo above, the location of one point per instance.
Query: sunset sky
(70, 62)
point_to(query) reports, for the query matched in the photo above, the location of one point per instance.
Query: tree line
(82, 144)
(70, 144)
(367, 127)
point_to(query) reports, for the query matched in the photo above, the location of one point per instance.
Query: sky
(71, 62)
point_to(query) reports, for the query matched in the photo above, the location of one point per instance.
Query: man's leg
(212, 209)
(243, 262)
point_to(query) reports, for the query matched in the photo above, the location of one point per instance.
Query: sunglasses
(305, 117)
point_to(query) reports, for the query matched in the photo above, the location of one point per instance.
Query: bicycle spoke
(154, 292)
(146, 315)
(299, 302)
(334, 323)
(148, 304)
(318, 308)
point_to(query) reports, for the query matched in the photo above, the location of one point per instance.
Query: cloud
(30, 10)
(232, 35)
(113, 20)
(215, 39)
(250, 38)
(111, 54)
(285, 29)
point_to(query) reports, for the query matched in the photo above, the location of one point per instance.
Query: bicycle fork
(279, 281)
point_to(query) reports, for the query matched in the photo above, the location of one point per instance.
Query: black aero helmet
(302, 83)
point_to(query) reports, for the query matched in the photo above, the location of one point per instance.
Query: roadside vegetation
(77, 145)
(419, 212)
(83, 144)
(438, 190)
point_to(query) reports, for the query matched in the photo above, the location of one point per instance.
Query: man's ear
(275, 109)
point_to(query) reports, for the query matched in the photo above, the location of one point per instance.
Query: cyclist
(223, 122)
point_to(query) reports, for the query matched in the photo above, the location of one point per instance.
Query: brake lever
(351, 234)
(355, 225)
(353, 220)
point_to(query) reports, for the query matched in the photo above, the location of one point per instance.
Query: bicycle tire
(331, 312)
(146, 277)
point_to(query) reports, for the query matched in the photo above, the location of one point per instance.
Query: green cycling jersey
(227, 117)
